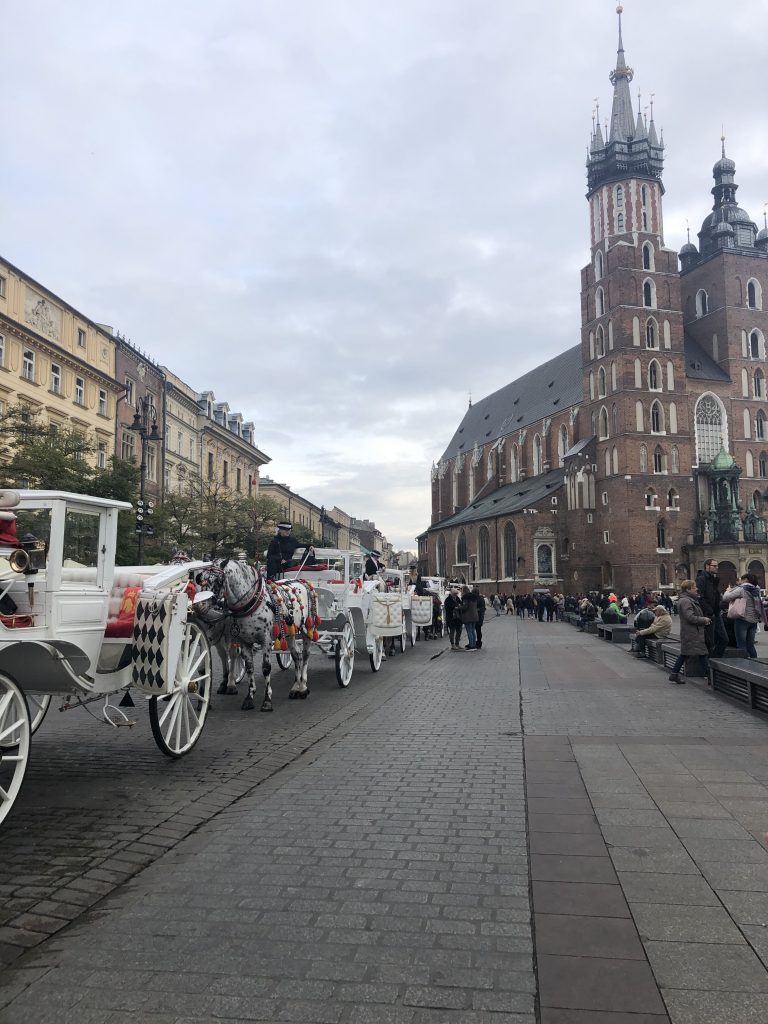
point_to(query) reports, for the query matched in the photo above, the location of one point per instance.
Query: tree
(43, 456)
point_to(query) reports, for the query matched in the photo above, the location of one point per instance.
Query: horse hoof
(222, 688)
(303, 696)
(247, 705)
(266, 706)
(292, 695)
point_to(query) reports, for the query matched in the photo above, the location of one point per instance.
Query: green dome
(723, 460)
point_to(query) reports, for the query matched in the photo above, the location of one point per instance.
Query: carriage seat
(121, 607)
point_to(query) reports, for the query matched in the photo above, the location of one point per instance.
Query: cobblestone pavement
(416, 850)
(99, 804)
(381, 878)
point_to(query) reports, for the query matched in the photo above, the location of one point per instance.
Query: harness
(250, 603)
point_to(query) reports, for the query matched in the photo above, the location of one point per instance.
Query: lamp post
(145, 425)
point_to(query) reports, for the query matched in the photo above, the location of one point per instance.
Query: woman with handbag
(745, 609)
(693, 639)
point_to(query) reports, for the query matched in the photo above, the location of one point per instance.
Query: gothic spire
(622, 117)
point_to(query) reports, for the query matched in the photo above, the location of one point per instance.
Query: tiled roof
(700, 366)
(545, 391)
(508, 499)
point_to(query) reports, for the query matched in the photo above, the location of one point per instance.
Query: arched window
(648, 256)
(614, 419)
(664, 575)
(659, 460)
(591, 344)
(601, 383)
(651, 501)
(661, 535)
(599, 265)
(675, 459)
(600, 343)
(711, 427)
(757, 500)
(749, 464)
(654, 376)
(614, 384)
(510, 551)
(747, 424)
(615, 459)
(649, 295)
(760, 426)
(759, 384)
(607, 461)
(702, 303)
(544, 560)
(461, 548)
(442, 568)
(673, 499)
(643, 459)
(619, 197)
(672, 418)
(620, 223)
(593, 423)
(644, 195)
(744, 383)
(514, 464)
(657, 418)
(536, 455)
(756, 345)
(639, 417)
(651, 334)
(754, 294)
(670, 376)
(562, 444)
(591, 385)
(763, 465)
(484, 553)
(599, 303)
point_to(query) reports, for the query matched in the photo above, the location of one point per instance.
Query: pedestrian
(710, 599)
(660, 627)
(510, 606)
(745, 609)
(496, 602)
(480, 616)
(453, 618)
(469, 617)
(693, 623)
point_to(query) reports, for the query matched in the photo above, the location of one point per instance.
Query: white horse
(262, 614)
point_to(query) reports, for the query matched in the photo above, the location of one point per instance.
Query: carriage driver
(374, 564)
(281, 550)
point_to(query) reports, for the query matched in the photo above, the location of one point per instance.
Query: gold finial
(653, 94)
(620, 9)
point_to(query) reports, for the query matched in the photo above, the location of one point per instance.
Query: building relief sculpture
(40, 314)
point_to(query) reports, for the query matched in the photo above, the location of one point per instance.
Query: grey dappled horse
(255, 607)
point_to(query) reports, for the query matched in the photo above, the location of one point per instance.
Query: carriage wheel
(15, 733)
(345, 655)
(236, 665)
(177, 720)
(38, 709)
(412, 634)
(377, 653)
(284, 659)
(402, 636)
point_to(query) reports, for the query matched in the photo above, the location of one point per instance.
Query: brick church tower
(633, 357)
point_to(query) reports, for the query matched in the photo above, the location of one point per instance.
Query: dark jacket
(480, 606)
(692, 635)
(469, 611)
(710, 594)
(452, 611)
(279, 554)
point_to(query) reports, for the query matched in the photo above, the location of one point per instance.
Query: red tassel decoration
(283, 645)
(318, 620)
(308, 622)
(315, 635)
(275, 631)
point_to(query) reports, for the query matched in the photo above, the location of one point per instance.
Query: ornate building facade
(629, 459)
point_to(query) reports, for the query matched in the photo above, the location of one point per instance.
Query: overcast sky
(343, 216)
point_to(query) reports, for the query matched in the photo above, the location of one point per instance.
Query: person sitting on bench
(661, 629)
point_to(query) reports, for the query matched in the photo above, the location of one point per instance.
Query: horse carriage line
(95, 635)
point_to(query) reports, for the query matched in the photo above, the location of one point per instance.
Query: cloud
(344, 218)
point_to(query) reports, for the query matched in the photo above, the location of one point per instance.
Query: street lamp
(145, 425)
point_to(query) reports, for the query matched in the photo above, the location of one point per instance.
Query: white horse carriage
(73, 626)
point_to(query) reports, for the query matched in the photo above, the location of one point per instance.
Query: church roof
(700, 366)
(508, 499)
(545, 391)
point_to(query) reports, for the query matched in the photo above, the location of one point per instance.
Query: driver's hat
(285, 526)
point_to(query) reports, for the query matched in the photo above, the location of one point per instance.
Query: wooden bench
(615, 634)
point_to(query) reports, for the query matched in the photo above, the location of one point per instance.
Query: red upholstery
(120, 628)
(17, 621)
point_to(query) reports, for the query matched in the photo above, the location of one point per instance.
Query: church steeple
(630, 150)
(622, 119)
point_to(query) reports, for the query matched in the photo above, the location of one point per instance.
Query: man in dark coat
(373, 564)
(480, 616)
(281, 550)
(710, 598)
